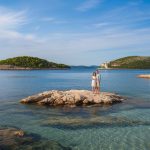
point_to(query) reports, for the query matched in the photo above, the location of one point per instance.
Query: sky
(75, 32)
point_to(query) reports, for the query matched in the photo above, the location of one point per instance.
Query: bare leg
(93, 89)
(98, 90)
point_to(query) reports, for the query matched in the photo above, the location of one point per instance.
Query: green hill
(30, 62)
(131, 62)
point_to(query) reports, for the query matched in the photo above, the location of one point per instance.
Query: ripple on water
(115, 127)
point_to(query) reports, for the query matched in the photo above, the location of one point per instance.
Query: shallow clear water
(121, 126)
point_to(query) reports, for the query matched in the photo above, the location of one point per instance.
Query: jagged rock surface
(72, 98)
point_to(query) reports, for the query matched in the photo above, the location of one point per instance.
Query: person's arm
(98, 78)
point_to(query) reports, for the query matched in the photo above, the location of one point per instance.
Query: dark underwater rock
(16, 139)
(76, 123)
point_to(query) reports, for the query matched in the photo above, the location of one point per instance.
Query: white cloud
(127, 14)
(111, 33)
(10, 37)
(11, 19)
(88, 4)
(67, 47)
(107, 40)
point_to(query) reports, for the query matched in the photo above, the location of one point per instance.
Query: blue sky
(75, 32)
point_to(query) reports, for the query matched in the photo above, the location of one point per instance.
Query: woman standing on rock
(93, 84)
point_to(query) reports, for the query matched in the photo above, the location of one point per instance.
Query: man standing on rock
(98, 82)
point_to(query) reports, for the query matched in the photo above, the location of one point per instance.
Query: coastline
(28, 69)
(11, 67)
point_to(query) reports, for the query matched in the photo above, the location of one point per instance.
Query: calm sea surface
(124, 126)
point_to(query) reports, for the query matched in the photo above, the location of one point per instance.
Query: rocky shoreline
(72, 98)
(11, 67)
(144, 76)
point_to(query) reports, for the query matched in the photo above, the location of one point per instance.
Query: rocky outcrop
(144, 76)
(72, 98)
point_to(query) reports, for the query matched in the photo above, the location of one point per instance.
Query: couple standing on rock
(96, 82)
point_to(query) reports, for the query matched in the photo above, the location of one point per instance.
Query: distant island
(29, 63)
(130, 62)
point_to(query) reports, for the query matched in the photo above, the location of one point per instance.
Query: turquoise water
(119, 127)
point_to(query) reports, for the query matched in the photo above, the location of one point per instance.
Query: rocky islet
(72, 98)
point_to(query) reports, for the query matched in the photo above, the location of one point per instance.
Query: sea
(122, 126)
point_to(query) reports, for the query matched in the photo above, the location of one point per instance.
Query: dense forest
(31, 62)
(131, 62)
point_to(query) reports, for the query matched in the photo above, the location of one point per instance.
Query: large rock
(72, 98)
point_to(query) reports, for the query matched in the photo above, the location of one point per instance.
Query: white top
(93, 84)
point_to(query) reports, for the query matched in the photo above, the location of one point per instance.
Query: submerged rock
(72, 98)
(75, 123)
(16, 139)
